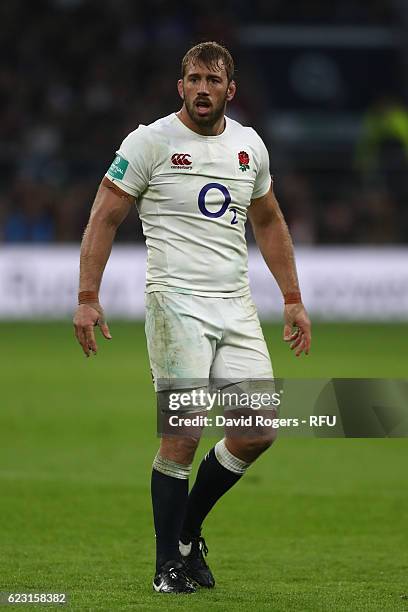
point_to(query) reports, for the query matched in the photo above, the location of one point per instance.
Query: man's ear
(232, 88)
(180, 88)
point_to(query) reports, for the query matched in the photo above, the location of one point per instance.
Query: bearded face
(205, 110)
(205, 90)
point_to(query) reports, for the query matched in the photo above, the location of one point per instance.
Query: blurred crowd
(77, 75)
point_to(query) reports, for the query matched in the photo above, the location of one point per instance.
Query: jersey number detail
(224, 206)
(234, 220)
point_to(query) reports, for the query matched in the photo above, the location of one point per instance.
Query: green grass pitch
(317, 524)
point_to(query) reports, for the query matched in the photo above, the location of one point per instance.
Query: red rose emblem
(243, 158)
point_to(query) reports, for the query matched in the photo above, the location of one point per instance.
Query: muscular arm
(274, 241)
(110, 208)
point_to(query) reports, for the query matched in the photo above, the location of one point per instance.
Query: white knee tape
(228, 460)
(171, 468)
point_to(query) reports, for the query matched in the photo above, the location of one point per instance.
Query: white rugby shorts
(193, 338)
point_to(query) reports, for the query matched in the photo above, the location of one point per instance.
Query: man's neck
(213, 130)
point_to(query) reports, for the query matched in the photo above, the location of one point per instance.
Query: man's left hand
(298, 328)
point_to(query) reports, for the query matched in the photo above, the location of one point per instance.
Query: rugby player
(195, 175)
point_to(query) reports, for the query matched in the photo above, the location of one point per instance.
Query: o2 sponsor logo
(223, 207)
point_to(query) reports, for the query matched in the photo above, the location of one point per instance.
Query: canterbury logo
(181, 159)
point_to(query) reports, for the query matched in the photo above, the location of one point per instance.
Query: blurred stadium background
(326, 85)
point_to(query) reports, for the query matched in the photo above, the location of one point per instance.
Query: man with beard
(196, 175)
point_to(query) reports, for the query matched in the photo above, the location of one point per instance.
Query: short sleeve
(263, 176)
(131, 169)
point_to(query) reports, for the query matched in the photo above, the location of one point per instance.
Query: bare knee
(250, 447)
(178, 449)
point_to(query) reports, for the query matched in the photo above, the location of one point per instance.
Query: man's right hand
(86, 317)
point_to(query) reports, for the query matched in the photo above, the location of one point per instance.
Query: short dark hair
(209, 54)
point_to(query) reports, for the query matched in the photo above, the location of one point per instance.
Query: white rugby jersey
(192, 195)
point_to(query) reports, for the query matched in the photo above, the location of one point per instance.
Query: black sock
(169, 498)
(213, 480)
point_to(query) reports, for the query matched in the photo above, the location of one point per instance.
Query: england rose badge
(243, 159)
